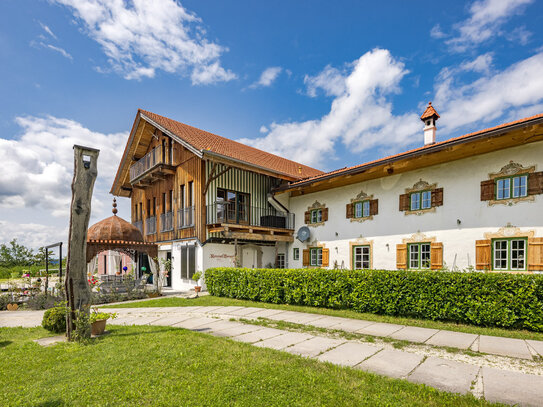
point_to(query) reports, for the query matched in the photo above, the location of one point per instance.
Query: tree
(39, 257)
(14, 254)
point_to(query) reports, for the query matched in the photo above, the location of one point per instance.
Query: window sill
(314, 225)
(419, 212)
(363, 219)
(511, 201)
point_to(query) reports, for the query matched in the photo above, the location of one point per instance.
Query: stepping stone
(137, 320)
(217, 326)
(211, 310)
(349, 354)
(265, 313)
(303, 318)
(537, 345)
(170, 320)
(229, 309)
(391, 362)
(452, 339)
(237, 330)
(352, 325)
(282, 316)
(259, 335)
(326, 322)
(496, 345)
(414, 334)
(314, 346)
(245, 311)
(51, 341)
(195, 322)
(380, 329)
(282, 341)
(447, 375)
(512, 387)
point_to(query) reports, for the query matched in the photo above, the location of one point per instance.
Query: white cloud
(330, 79)
(47, 30)
(38, 165)
(61, 51)
(360, 115)
(436, 32)
(484, 23)
(519, 88)
(481, 64)
(263, 129)
(140, 37)
(267, 77)
(32, 235)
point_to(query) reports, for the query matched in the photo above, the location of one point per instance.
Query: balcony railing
(185, 217)
(139, 225)
(148, 161)
(229, 212)
(150, 225)
(166, 222)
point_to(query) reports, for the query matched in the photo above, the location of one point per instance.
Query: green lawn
(451, 326)
(144, 366)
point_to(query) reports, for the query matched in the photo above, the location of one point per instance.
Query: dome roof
(114, 228)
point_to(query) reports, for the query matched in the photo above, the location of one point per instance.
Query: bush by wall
(484, 299)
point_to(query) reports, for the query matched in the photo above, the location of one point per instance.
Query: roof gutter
(430, 149)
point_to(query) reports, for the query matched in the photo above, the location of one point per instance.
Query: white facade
(457, 224)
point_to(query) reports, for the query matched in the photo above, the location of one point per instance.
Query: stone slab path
(495, 382)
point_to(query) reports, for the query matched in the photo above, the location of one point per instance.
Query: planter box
(98, 327)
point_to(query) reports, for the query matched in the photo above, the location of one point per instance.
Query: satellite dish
(303, 234)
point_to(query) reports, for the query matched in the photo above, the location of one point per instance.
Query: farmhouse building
(474, 201)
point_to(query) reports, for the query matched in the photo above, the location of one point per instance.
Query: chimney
(429, 117)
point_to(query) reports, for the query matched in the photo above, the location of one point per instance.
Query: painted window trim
(511, 182)
(509, 257)
(311, 250)
(409, 245)
(353, 248)
(296, 253)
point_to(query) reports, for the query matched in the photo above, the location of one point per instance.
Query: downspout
(276, 204)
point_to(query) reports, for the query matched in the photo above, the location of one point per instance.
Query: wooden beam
(214, 177)
(257, 236)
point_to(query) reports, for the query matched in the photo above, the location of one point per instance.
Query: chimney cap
(429, 112)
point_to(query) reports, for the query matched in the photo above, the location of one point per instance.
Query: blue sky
(330, 84)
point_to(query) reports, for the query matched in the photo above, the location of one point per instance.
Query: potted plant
(98, 321)
(196, 277)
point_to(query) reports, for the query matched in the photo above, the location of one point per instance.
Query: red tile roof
(205, 141)
(429, 112)
(415, 150)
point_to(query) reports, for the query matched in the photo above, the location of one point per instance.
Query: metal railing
(230, 212)
(166, 222)
(150, 225)
(145, 163)
(185, 217)
(139, 225)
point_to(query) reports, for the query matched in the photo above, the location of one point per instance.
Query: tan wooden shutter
(535, 254)
(487, 190)
(305, 257)
(483, 254)
(535, 183)
(436, 256)
(324, 214)
(404, 202)
(325, 257)
(307, 217)
(374, 207)
(401, 256)
(349, 210)
(437, 197)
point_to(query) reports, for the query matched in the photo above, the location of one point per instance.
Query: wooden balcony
(152, 167)
(166, 222)
(185, 218)
(150, 225)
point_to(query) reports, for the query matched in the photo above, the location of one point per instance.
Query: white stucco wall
(460, 181)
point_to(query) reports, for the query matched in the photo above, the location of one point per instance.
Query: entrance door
(168, 282)
(248, 257)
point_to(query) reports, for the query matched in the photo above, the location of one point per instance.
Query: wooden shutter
(437, 197)
(349, 211)
(325, 257)
(535, 254)
(324, 214)
(401, 256)
(483, 254)
(535, 183)
(487, 190)
(404, 202)
(307, 217)
(305, 257)
(374, 207)
(436, 256)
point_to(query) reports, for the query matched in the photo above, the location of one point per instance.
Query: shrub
(484, 299)
(4, 301)
(54, 319)
(42, 301)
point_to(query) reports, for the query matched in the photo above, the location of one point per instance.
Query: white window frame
(315, 256)
(361, 256)
(296, 253)
(281, 260)
(509, 250)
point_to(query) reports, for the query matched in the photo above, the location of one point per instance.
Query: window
(362, 209)
(361, 257)
(296, 253)
(316, 216)
(233, 206)
(421, 200)
(509, 254)
(280, 260)
(315, 256)
(419, 256)
(515, 187)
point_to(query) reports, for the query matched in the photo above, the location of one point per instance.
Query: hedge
(484, 299)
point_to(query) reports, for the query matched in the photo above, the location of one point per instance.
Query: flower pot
(98, 327)
(197, 288)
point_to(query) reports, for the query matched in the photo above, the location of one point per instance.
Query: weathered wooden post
(78, 292)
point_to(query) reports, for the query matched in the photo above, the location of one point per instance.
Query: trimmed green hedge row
(484, 299)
